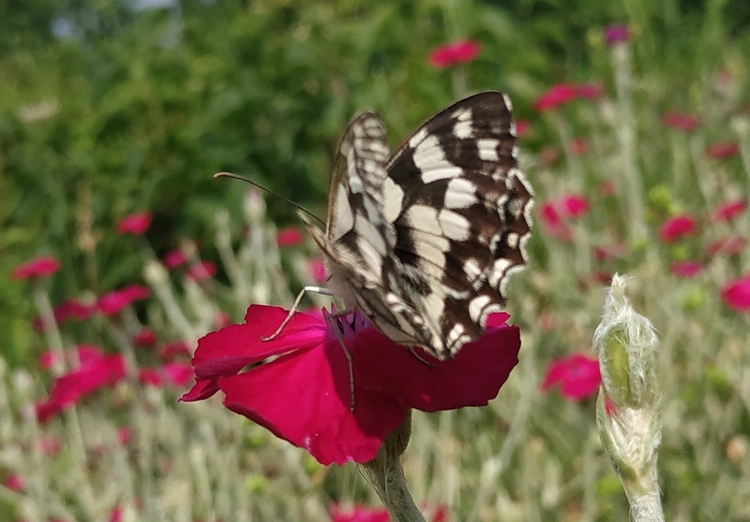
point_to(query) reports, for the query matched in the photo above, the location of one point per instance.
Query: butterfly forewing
(424, 243)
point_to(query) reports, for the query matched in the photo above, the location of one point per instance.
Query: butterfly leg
(337, 332)
(313, 289)
(419, 357)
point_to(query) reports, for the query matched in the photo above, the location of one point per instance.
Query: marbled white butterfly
(424, 242)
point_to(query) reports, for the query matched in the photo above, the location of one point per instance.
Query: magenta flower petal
(736, 294)
(458, 52)
(577, 375)
(729, 210)
(616, 33)
(677, 227)
(557, 95)
(135, 224)
(115, 301)
(37, 267)
(472, 378)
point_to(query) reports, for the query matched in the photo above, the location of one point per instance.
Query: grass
(529, 455)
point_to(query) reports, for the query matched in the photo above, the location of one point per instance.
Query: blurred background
(630, 113)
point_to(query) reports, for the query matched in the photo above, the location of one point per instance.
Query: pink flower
(70, 388)
(677, 227)
(82, 353)
(173, 259)
(681, 121)
(289, 236)
(731, 246)
(577, 375)
(303, 395)
(174, 349)
(318, 270)
(736, 294)
(579, 146)
(557, 95)
(358, 514)
(177, 374)
(222, 319)
(14, 482)
(202, 271)
(37, 267)
(590, 91)
(124, 435)
(573, 205)
(135, 224)
(616, 33)
(70, 309)
(553, 223)
(523, 127)
(686, 269)
(144, 338)
(458, 52)
(721, 150)
(114, 302)
(729, 210)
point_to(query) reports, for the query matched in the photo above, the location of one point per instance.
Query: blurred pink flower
(553, 222)
(37, 267)
(318, 270)
(289, 236)
(145, 337)
(115, 301)
(681, 121)
(686, 269)
(70, 309)
(731, 246)
(458, 52)
(82, 353)
(578, 146)
(523, 127)
(573, 205)
(135, 224)
(202, 271)
(358, 514)
(590, 91)
(557, 95)
(722, 149)
(174, 349)
(174, 258)
(736, 294)
(14, 482)
(677, 227)
(729, 210)
(577, 375)
(616, 33)
(124, 435)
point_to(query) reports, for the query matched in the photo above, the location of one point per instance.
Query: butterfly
(424, 242)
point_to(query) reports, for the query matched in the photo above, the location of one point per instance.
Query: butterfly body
(424, 242)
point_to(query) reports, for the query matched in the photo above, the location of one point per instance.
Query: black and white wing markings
(424, 243)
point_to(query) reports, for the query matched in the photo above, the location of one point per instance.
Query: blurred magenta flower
(686, 269)
(729, 210)
(174, 258)
(722, 149)
(222, 319)
(113, 302)
(177, 374)
(578, 146)
(616, 33)
(318, 270)
(677, 227)
(82, 353)
(135, 224)
(572, 205)
(124, 434)
(681, 121)
(553, 223)
(736, 294)
(174, 350)
(556, 95)
(70, 309)
(201, 271)
(14, 482)
(289, 236)
(69, 389)
(523, 127)
(731, 246)
(303, 394)
(358, 514)
(590, 90)
(145, 337)
(577, 376)
(454, 53)
(38, 267)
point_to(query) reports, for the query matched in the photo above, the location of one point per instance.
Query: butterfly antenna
(256, 184)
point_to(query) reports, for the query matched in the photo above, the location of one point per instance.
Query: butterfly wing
(461, 212)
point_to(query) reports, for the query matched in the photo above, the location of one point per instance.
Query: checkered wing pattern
(424, 242)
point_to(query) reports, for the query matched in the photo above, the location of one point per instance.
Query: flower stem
(386, 475)
(51, 331)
